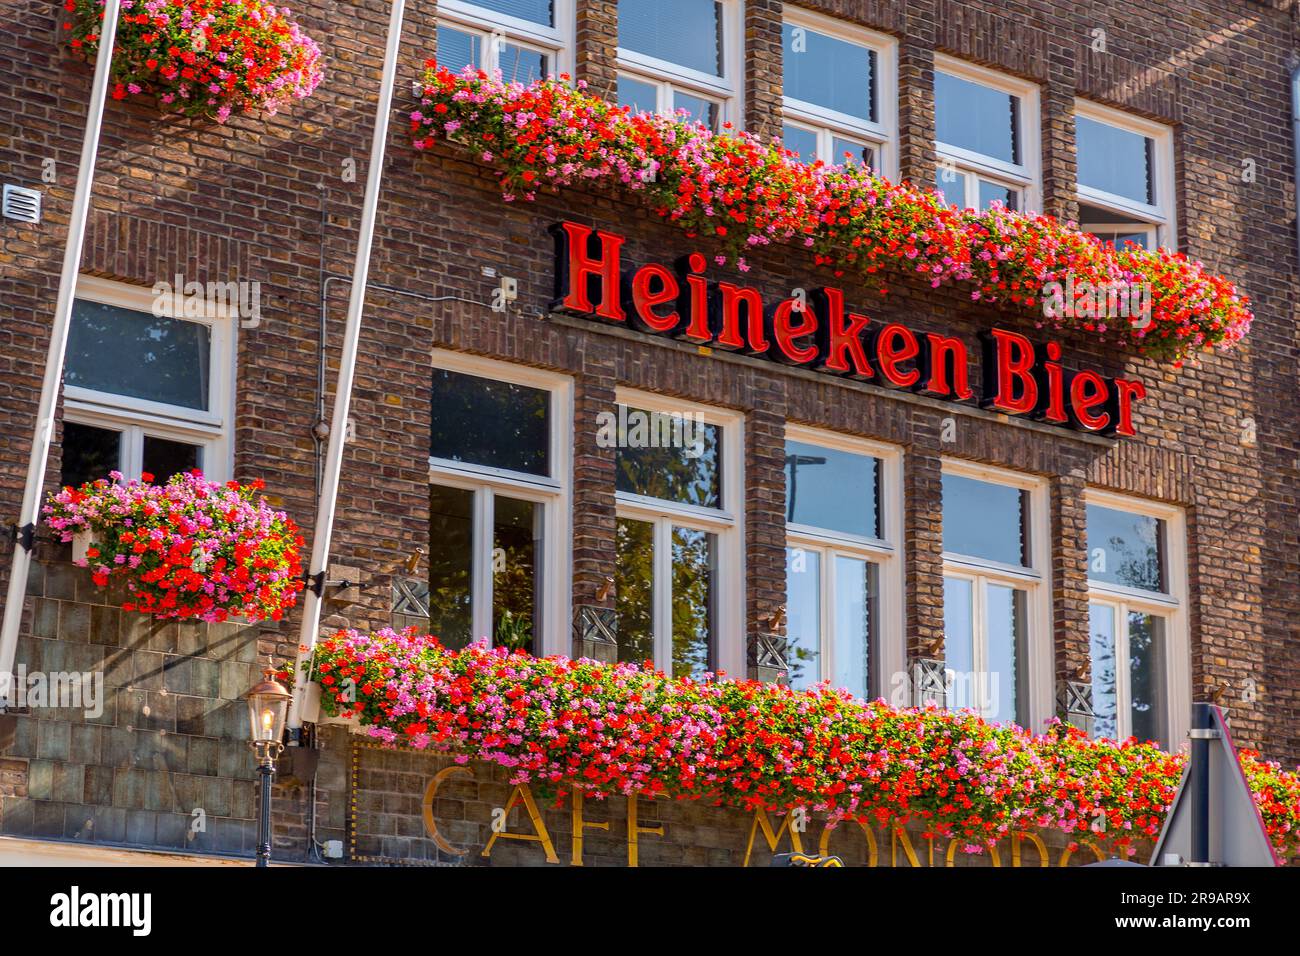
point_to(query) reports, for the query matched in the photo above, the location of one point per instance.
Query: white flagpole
(320, 545)
(29, 517)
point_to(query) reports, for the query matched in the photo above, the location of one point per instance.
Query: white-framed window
(500, 467)
(997, 593)
(986, 137)
(679, 579)
(526, 40)
(840, 87)
(1137, 609)
(681, 55)
(844, 575)
(1125, 177)
(147, 388)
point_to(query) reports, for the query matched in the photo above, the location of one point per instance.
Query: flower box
(82, 542)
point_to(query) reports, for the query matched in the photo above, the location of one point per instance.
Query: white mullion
(1123, 682)
(826, 639)
(663, 594)
(481, 573)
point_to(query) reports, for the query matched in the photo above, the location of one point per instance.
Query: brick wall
(263, 199)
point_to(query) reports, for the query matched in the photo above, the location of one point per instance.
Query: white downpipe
(320, 544)
(30, 515)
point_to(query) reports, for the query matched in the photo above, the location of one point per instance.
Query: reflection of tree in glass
(670, 473)
(514, 577)
(692, 601)
(497, 424)
(1104, 704)
(1137, 562)
(451, 536)
(634, 590)
(1146, 689)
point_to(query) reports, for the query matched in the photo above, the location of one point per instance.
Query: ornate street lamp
(268, 705)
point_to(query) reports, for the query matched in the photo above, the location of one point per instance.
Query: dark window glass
(847, 151)
(829, 72)
(534, 11)
(518, 64)
(698, 109)
(985, 520)
(451, 546)
(88, 453)
(1146, 638)
(976, 117)
(694, 569)
(951, 186)
(458, 49)
(801, 141)
(832, 489)
(685, 32)
(673, 457)
(634, 590)
(516, 589)
(134, 354)
(164, 457)
(1006, 623)
(994, 192)
(491, 423)
(1126, 548)
(1115, 160)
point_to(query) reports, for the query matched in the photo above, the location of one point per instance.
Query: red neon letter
(1125, 393)
(786, 334)
(1087, 391)
(644, 300)
(1013, 358)
(896, 344)
(581, 266)
(733, 297)
(941, 349)
(837, 338)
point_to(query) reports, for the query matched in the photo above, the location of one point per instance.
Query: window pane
(458, 49)
(995, 192)
(519, 64)
(491, 423)
(1126, 548)
(642, 97)
(951, 186)
(803, 616)
(673, 457)
(451, 547)
(832, 489)
(516, 589)
(801, 141)
(1114, 160)
(829, 72)
(685, 32)
(137, 355)
(88, 453)
(164, 458)
(854, 605)
(1148, 706)
(634, 589)
(857, 154)
(1105, 693)
(534, 11)
(694, 565)
(699, 109)
(1006, 617)
(959, 640)
(984, 520)
(1122, 240)
(976, 117)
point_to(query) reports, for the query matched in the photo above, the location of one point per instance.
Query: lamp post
(268, 705)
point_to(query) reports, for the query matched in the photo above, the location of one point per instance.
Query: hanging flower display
(620, 729)
(747, 194)
(205, 58)
(189, 549)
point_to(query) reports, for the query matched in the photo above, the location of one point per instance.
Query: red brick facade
(263, 199)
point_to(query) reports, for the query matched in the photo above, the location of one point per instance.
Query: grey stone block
(110, 824)
(85, 744)
(53, 739)
(40, 779)
(79, 822)
(105, 625)
(202, 756)
(176, 674)
(98, 789)
(74, 622)
(48, 820)
(17, 815)
(69, 782)
(205, 677)
(142, 827)
(45, 618)
(61, 581)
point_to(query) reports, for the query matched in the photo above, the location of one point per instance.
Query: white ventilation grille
(21, 204)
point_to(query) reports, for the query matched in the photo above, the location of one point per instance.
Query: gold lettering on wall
(823, 846)
(580, 825)
(540, 834)
(772, 837)
(634, 828)
(426, 807)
